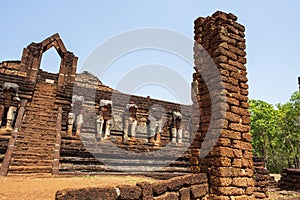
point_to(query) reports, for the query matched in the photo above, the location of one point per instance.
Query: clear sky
(272, 34)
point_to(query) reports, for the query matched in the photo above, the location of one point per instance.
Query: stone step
(44, 94)
(40, 87)
(31, 162)
(34, 116)
(42, 108)
(33, 111)
(123, 162)
(32, 147)
(37, 110)
(29, 169)
(117, 151)
(35, 154)
(38, 124)
(84, 168)
(34, 135)
(31, 175)
(42, 102)
(51, 94)
(27, 128)
(37, 141)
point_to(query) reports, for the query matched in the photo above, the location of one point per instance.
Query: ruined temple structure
(73, 124)
(46, 119)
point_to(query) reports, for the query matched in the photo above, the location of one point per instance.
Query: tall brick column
(222, 133)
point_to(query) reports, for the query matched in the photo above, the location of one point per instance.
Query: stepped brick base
(34, 146)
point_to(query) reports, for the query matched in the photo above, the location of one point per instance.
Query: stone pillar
(221, 121)
(31, 60)
(299, 82)
(67, 70)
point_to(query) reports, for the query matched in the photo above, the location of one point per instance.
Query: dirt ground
(33, 188)
(284, 195)
(30, 188)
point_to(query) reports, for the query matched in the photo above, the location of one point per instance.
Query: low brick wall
(193, 186)
(290, 179)
(261, 177)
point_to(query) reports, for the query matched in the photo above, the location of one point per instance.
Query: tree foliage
(276, 132)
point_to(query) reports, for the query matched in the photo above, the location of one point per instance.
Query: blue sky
(272, 34)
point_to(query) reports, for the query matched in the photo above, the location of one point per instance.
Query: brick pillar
(31, 60)
(67, 70)
(222, 130)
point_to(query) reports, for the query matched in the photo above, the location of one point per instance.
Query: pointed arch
(54, 41)
(32, 56)
(51, 61)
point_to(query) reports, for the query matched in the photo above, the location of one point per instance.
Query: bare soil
(284, 195)
(35, 188)
(27, 188)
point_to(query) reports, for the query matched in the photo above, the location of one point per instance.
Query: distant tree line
(276, 132)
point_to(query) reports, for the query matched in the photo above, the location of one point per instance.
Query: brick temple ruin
(48, 119)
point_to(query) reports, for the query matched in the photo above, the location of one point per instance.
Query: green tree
(276, 132)
(290, 127)
(264, 130)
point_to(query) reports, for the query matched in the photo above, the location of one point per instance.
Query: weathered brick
(222, 171)
(147, 193)
(246, 120)
(237, 51)
(230, 191)
(247, 137)
(239, 111)
(225, 142)
(222, 152)
(167, 196)
(233, 101)
(159, 187)
(108, 193)
(242, 60)
(230, 134)
(198, 191)
(128, 192)
(247, 163)
(224, 52)
(239, 127)
(232, 117)
(219, 181)
(184, 194)
(237, 163)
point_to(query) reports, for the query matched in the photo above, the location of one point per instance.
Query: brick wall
(290, 179)
(11, 67)
(187, 187)
(261, 177)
